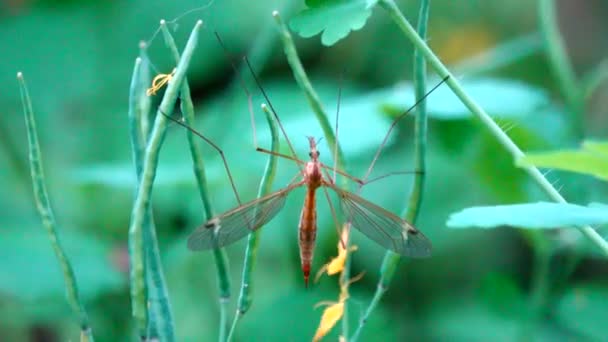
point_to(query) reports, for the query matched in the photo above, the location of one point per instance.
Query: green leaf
(470, 320)
(335, 18)
(580, 309)
(501, 98)
(29, 269)
(591, 159)
(502, 295)
(530, 215)
(600, 147)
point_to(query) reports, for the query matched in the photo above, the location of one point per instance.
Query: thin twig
(43, 204)
(481, 114)
(160, 319)
(555, 49)
(391, 259)
(220, 257)
(137, 248)
(253, 240)
(322, 117)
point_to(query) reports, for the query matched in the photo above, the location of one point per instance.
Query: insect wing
(237, 223)
(382, 226)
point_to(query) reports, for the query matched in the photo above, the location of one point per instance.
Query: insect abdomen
(308, 232)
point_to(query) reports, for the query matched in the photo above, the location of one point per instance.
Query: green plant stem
(138, 139)
(322, 117)
(304, 83)
(137, 248)
(495, 130)
(220, 257)
(43, 205)
(138, 146)
(560, 63)
(540, 283)
(245, 297)
(344, 279)
(540, 274)
(391, 260)
(160, 319)
(420, 131)
(596, 77)
(145, 102)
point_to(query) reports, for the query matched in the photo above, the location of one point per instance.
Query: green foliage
(544, 215)
(479, 284)
(95, 269)
(591, 159)
(579, 308)
(523, 99)
(335, 18)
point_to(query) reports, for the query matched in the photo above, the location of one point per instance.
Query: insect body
(376, 223)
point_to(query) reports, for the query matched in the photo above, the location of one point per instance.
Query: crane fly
(375, 222)
(378, 224)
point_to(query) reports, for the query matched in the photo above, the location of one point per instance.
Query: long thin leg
(212, 144)
(243, 86)
(333, 215)
(337, 124)
(394, 123)
(249, 99)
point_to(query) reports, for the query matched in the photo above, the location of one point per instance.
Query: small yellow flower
(335, 310)
(331, 316)
(336, 264)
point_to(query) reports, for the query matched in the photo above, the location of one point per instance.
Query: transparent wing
(382, 226)
(235, 224)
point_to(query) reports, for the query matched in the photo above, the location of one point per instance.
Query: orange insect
(378, 224)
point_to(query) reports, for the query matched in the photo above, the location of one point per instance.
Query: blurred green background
(77, 57)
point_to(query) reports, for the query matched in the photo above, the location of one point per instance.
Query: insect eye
(310, 154)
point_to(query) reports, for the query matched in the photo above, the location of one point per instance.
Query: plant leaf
(585, 303)
(30, 271)
(591, 159)
(501, 98)
(600, 147)
(543, 215)
(335, 18)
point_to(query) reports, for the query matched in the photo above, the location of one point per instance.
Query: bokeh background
(77, 57)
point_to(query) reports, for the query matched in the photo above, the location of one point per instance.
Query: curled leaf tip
(158, 82)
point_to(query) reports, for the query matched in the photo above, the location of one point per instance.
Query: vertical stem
(304, 84)
(481, 114)
(138, 139)
(540, 283)
(220, 257)
(137, 247)
(391, 260)
(245, 297)
(145, 102)
(560, 63)
(43, 204)
(420, 132)
(315, 103)
(160, 318)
